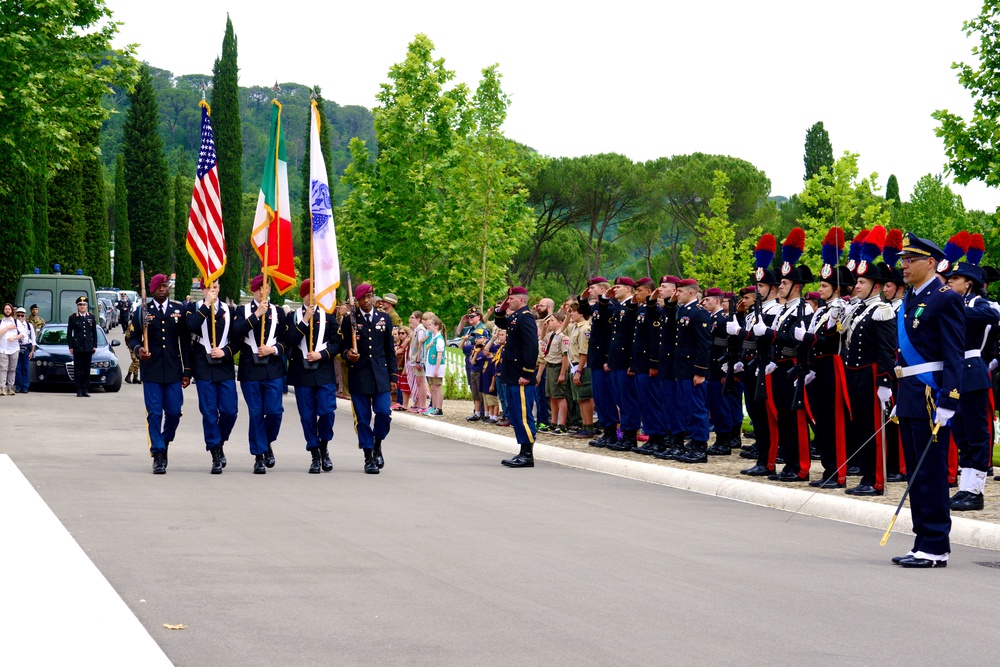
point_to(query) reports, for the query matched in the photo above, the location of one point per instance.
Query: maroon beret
(728, 295)
(687, 282)
(714, 291)
(597, 280)
(673, 280)
(361, 290)
(749, 289)
(813, 295)
(644, 281)
(624, 280)
(305, 287)
(516, 290)
(156, 281)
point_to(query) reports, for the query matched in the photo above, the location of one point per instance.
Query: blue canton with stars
(206, 154)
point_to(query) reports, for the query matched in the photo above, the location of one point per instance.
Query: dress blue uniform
(519, 359)
(691, 358)
(645, 353)
(665, 384)
(162, 373)
(597, 357)
(623, 388)
(215, 379)
(720, 405)
(931, 341)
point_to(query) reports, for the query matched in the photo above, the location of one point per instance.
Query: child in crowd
(487, 371)
(554, 350)
(496, 346)
(434, 363)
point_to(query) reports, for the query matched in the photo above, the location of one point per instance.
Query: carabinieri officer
(310, 371)
(214, 371)
(81, 337)
(520, 356)
(930, 341)
(165, 366)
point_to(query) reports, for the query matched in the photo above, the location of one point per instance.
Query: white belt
(928, 367)
(972, 354)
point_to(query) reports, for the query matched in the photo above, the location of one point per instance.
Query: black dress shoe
(854, 471)
(750, 452)
(269, 457)
(719, 449)
(86, 394)
(898, 559)
(520, 461)
(159, 464)
(864, 490)
(786, 476)
(968, 502)
(923, 563)
(377, 455)
(826, 483)
(895, 477)
(258, 465)
(474, 417)
(370, 467)
(756, 471)
(79, 394)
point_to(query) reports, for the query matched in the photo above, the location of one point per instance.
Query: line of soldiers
(852, 382)
(185, 343)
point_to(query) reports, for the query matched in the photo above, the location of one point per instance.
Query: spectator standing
(10, 348)
(555, 353)
(388, 306)
(487, 365)
(581, 386)
(541, 311)
(415, 361)
(402, 335)
(472, 331)
(434, 363)
(22, 379)
(497, 345)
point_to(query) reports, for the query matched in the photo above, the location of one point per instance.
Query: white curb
(970, 532)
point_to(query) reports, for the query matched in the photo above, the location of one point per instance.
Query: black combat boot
(696, 452)
(216, 461)
(371, 468)
(222, 455)
(648, 447)
(269, 457)
(723, 444)
(159, 463)
(627, 442)
(377, 454)
(314, 467)
(324, 456)
(524, 459)
(258, 465)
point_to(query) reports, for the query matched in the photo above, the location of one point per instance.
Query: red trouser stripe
(952, 460)
(772, 421)
(804, 458)
(841, 401)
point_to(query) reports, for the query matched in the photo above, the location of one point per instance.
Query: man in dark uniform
(81, 336)
(661, 374)
(597, 357)
(214, 371)
(371, 373)
(930, 343)
(314, 341)
(719, 404)
(642, 366)
(165, 366)
(259, 331)
(619, 359)
(520, 357)
(124, 308)
(691, 355)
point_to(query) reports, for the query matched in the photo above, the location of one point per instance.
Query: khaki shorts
(435, 382)
(491, 400)
(552, 388)
(586, 389)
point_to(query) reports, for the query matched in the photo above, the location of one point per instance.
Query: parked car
(112, 312)
(102, 316)
(52, 364)
(454, 342)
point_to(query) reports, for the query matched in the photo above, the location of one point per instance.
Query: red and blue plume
(977, 248)
(854, 252)
(793, 246)
(833, 246)
(957, 246)
(873, 244)
(764, 252)
(893, 247)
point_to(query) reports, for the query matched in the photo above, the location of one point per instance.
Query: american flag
(206, 238)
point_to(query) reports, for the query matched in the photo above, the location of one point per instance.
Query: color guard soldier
(314, 341)
(81, 337)
(214, 371)
(691, 359)
(165, 366)
(930, 344)
(372, 373)
(519, 359)
(261, 369)
(597, 356)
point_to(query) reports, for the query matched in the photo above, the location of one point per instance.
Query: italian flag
(272, 225)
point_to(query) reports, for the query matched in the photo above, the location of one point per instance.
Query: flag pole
(277, 204)
(312, 245)
(204, 229)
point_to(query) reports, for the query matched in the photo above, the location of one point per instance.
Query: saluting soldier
(597, 357)
(519, 358)
(371, 374)
(81, 337)
(971, 427)
(311, 372)
(719, 404)
(259, 331)
(643, 359)
(620, 358)
(214, 371)
(661, 375)
(691, 355)
(930, 345)
(165, 366)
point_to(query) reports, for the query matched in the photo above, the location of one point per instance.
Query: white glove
(810, 376)
(799, 333)
(724, 368)
(836, 312)
(759, 329)
(943, 416)
(884, 395)
(738, 367)
(733, 328)
(770, 368)
(993, 365)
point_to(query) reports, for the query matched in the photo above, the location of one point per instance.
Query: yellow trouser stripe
(524, 414)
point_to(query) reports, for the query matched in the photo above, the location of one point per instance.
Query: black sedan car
(52, 364)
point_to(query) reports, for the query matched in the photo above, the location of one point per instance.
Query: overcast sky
(644, 79)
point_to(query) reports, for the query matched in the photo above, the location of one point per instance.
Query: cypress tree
(147, 182)
(892, 189)
(305, 229)
(229, 152)
(123, 240)
(40, 215)
(819, 151)
(66, 218)
(96, 243)
(183, 264)
(15, 231)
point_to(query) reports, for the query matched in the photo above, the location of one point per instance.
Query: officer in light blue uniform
(931, 345)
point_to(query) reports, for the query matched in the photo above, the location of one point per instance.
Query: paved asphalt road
(447, 558)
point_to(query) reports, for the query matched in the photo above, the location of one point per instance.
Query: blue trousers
(970, 429)
(607, 411)
(541, 402)
(672, 416)
(502, 396)
(519, 400)
(22, 377)
(692, 407)
(930, 505)
(363, 405)
(627, 400)
(316, 412)
(720, 407)
(263, 399)
(651, 398)
(163, 412)
(218, 405)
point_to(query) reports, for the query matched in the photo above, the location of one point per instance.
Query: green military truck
(55, 294)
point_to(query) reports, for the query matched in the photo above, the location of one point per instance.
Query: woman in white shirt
(434, 363)
(10, 348)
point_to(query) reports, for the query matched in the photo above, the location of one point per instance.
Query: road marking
(56, 608)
